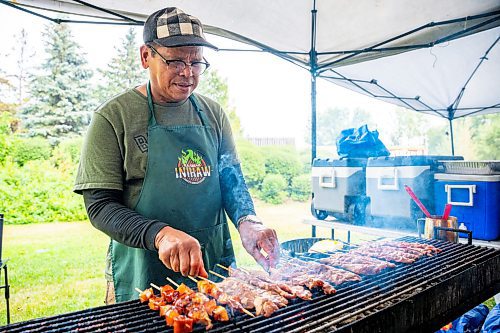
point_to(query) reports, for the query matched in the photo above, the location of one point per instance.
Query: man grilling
(159, 170)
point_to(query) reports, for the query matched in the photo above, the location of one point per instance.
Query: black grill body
(420, 297)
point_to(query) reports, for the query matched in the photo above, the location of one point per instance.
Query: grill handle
(468, 232)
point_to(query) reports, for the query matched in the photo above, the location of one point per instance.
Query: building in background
(269, 141)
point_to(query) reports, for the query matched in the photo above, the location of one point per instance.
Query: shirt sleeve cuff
(151, 234)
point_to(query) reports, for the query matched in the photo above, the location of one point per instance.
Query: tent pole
(451, 137)
(313, 63)
(313, 117)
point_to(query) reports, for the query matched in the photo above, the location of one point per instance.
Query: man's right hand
(180, 252)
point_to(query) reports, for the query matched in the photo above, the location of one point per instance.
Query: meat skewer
(419, 248)
(247, 277)
(289, 282)
(325, 272)
(356, 263)
(297, 290)
(264, 281)
(182, 307)
(265, 302)
(254, 281)
(387, 253)
(173, 317)
(210, 289)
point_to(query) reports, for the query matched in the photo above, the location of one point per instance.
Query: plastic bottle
(462, 226)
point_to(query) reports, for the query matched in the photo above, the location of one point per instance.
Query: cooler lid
(470, 178)
(346, 162)
(414, 160)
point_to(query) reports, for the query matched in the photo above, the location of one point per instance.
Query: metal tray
(472, 167)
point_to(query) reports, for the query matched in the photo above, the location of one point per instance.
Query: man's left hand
(256, 237)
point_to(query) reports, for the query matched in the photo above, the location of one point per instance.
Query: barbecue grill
(420, 297)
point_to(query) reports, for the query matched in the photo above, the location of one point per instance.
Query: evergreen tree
(61, 102)
(124, 71)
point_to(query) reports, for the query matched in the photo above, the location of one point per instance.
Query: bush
(252, 164)
(38, 192)
(29, 149)
(5, 147)
(301, 188)
(282, 161)
(67, 153)
(6, 120)
(305, 160)
(273, 189)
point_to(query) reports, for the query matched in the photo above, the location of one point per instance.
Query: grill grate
(421, 296)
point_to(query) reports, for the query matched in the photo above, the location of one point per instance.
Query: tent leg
(451, 138)
(313, 117)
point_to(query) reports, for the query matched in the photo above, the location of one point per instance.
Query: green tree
(408, 125)
(332, 121)
(61, 102)
(124, 71)
(485, 132)
(214, 86)
(438, 140)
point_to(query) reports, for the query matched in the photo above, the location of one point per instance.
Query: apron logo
(191, 167)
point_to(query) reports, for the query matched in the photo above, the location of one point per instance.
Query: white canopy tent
(438, 57)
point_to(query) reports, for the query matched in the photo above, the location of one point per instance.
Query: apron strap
(151, 107)
(201, 113)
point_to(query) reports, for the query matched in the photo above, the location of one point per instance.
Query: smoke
(235, 196)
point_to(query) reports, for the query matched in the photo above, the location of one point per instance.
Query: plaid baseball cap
(171, 27)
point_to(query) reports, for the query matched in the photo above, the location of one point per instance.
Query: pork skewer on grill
(387, 253)
(416, 248)
(356, 263)
(266, 284)
(184, 302)
(173, 317)
(289, 281)
(297, 290)
(210, 288)
(335, 275)
(182, 307)
(263, 301)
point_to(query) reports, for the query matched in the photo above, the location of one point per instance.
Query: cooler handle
(471, 188)
(329, 184)
(390, 187)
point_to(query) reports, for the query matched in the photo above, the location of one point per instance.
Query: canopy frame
(327, 69)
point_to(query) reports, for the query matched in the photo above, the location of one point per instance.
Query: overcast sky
(272, 97)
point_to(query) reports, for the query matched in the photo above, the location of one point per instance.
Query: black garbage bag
(360, 142)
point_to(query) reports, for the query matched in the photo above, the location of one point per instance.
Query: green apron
(181, 187)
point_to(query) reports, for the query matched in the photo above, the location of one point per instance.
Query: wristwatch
(248, 218)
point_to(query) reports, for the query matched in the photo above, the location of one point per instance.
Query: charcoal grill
(421, 297)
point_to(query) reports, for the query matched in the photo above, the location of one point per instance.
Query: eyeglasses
(178, 66)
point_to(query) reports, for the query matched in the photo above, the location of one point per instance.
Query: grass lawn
(56, 268)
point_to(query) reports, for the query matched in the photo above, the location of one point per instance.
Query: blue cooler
(475, 200)
(339, 189)
(390, 205)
